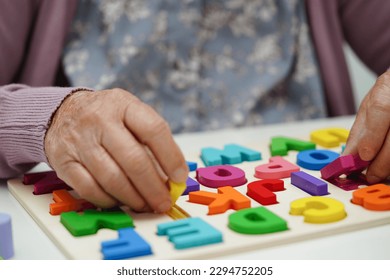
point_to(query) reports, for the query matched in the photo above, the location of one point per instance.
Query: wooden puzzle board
(88, 247)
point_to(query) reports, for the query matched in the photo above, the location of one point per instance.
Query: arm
(25, 113)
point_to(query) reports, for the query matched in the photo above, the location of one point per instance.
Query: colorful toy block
(315, 159)
(375, 197)
(226, 198)
(277, 168)
(45, 182)
(231, 154)
(308, 183)
(191, 232)
(344, 165)
(192, 166)
(329, 137)
(176, 190)
(191, 186)
(257, 220)
(349, 165)
(6, 240)
(220, 175)
(90, 221)
(318, 209)
(281, 145)
(65, 202)
(129, 245)
(263, 190)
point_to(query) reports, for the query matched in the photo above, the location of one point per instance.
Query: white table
(374, 243)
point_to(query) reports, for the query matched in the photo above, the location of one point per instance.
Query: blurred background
(362, 77)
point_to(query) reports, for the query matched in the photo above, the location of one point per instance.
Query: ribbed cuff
(25, 114)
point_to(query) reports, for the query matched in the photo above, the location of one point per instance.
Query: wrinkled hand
(113, 150)
(370, 134)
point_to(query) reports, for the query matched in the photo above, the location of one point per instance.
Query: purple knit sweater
(32, 35)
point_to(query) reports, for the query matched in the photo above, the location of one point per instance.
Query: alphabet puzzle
(239, 196)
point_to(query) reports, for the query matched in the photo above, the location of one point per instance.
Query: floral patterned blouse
(202, 64)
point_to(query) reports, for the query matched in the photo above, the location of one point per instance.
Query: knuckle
(137, 160)
(112, 178)
(139, 206)
(384, 79)
(156, 128)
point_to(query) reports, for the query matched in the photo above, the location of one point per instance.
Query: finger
(153, 131)
(377, 119)
(379, 168)
(111, 178)
(138, 166)
(351, 147)
(377, 123)
(78, 177)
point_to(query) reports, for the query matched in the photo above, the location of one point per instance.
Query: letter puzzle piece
(316, 159)
(258, 220)
(176, 190)
(192, 166)
(44, 182)
(309, 184)
(329, 137)
(6, 240)
(90, 221)
(65, 202)
(191, 186)
(281, 145)
(318, 209)
(277, 168)
(231, 154)
(375, 197)
(226, 198)
(350, 165)
(263, 190)
(220, 175)
(191, 232)
(129, 245)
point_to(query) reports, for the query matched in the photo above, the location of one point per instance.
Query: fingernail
(366, 154)
(372, 179)
(180, 175)
(164, 207)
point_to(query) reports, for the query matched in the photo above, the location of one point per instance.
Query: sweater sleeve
(25, 113)
(366, 29)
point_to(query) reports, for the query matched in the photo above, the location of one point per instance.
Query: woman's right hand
(111, 148)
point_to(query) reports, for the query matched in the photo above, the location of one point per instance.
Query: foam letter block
(309, 183)
(44, 182)
(226, 198)
(349, 165)
(343, 165)
(192, 166)
(129, 245)
(90, 221)
(258, 220)
(281, 145)
(231, 154)
(316, 159)
(220, 175)
(375, 197)
(318, 209)
(191, 186)
(329, 137)
(263, 190)
(6, 240)
(176, 190)
(191, 232)
(65, 202)
(277, 168)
